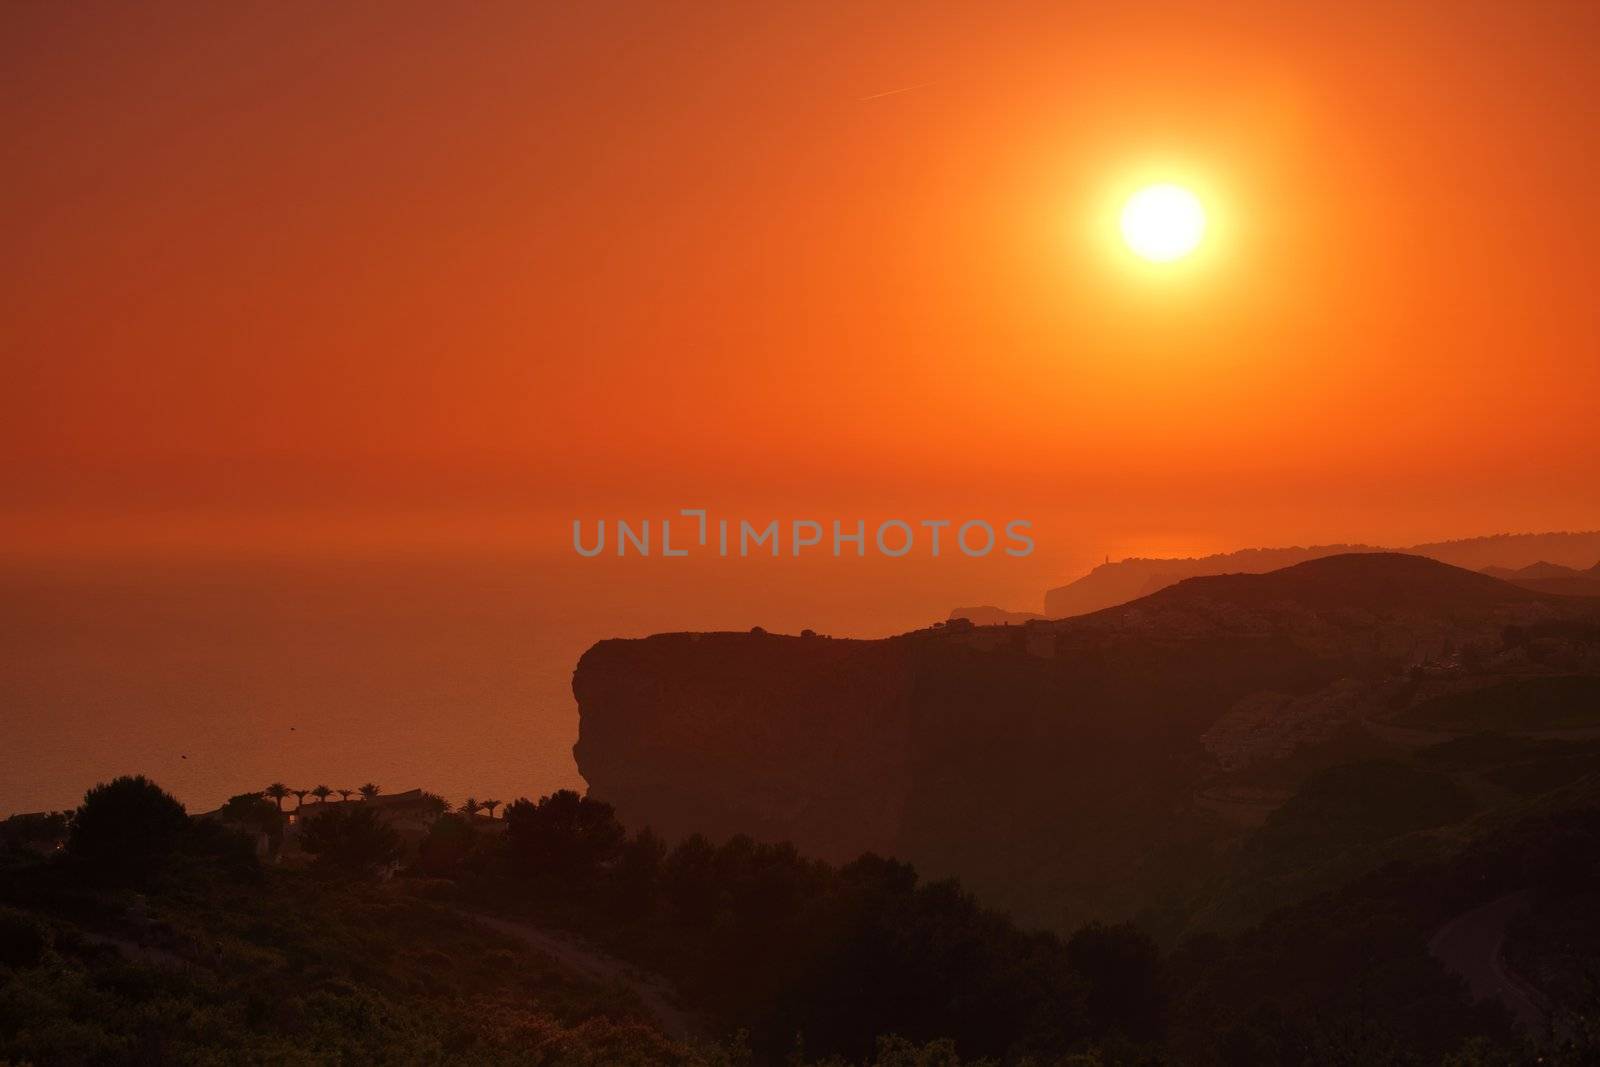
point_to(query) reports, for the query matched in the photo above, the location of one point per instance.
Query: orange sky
(402, 272)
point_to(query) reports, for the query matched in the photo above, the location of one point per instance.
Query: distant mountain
(1545, 577)
(1576, 549)
(1107, 765)
(1542, 569)
(1575, 585)
(1118, 583)
(992, 616)
(1367, 581)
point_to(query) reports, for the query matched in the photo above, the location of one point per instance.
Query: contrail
(896, 92)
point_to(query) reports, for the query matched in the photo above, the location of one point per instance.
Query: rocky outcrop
(1053, 765)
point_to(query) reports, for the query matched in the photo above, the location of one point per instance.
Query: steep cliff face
(804, 739)
(1052, 766)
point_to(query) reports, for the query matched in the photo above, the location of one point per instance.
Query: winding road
(1470, 945)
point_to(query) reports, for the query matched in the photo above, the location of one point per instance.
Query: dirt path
(1408, 736)
(1242, 810)
(577, 956)
(1470, 945)
(1422, 737)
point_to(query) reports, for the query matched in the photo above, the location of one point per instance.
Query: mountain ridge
(1109, 584)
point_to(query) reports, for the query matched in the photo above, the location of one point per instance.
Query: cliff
(784, 738)
(1053, 766)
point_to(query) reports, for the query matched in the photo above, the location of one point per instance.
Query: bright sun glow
(1162, 223)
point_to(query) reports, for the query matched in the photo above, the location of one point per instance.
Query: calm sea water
(218, 677)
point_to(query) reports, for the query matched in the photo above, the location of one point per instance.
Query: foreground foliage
(189, 951)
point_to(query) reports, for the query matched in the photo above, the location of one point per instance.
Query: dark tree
(254, 812)
(127, 829)
(450, 843)
(277, 792)
(690, 881)
(638, 871)
(350, 842)
(1123, 968)
(565, 836)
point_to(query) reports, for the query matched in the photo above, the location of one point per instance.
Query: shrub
(22, 939)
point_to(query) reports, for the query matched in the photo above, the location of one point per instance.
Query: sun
(1163, 223)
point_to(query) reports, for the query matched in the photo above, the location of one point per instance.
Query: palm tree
(299, 798)
(322, 793)
(490, 805)
(469, 807)
(368, 791)
(344, 794)
(277, 791)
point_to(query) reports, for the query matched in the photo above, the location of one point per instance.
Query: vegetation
(277, 792)
(352, 841)
(154, 937)
(126, 830)
(1523, 705)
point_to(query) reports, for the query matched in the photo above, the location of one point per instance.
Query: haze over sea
(447, 672)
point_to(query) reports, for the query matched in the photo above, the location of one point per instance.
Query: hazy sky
(292, 272)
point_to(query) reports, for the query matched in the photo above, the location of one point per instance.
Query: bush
(22, 939)
(36, 829)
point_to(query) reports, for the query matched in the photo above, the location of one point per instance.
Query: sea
(450, 672)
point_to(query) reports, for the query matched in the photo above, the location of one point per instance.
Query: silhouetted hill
(1569, 548)
(1369, 581)
(1543, 577)
(1094, 766)
(1116, 583)
(1576, 585)
(1541, 569)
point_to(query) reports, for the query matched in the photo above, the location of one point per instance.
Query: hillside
(286, 968)
(551, 937)
(1089, 767)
